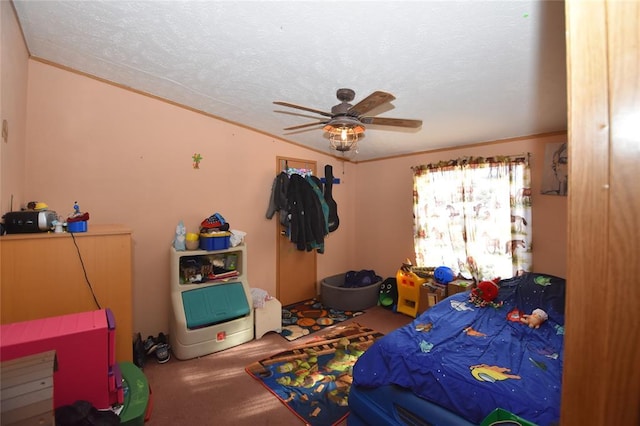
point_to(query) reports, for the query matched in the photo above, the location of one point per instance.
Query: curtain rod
(525, 155)
(470, 159)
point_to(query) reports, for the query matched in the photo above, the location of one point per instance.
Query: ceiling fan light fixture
(346, 122)
(343, 135)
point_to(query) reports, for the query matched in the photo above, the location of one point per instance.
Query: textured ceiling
(471, 70)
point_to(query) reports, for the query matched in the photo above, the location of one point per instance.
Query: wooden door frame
(601, 378)
(281, 164)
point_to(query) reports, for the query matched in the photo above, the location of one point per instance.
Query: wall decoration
(197, 158)
(555, 174)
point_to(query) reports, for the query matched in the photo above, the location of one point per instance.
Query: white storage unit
(211, 302)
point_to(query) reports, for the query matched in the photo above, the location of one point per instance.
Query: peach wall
(384, 229)
(126, 158)
(13, 98)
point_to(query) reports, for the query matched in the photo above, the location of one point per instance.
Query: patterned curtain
(474, 216)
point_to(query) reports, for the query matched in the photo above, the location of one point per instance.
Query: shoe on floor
(162, 353)
(150, 345)
(139, 353)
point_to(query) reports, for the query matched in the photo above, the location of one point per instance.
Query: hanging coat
(278, 199)
(307, 220)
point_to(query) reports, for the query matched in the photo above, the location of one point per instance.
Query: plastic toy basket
(504, 418)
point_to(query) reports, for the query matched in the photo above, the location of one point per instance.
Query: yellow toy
(408, 289)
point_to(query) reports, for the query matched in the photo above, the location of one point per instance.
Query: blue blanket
(472, 360)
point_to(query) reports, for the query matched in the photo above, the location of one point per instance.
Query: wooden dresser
(48, 274)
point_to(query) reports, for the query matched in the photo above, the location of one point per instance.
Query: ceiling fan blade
(286, 104)
(370, 102)
(302, 126)
(399, 122)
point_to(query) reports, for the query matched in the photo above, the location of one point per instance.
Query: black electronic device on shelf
(29, 221)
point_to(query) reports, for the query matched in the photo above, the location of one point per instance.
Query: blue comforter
(472, 360)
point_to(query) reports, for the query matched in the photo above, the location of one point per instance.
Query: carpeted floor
(216, 390)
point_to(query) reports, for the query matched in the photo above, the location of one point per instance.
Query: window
(474, 209)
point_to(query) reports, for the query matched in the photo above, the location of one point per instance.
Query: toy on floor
(535, 320)
(408, 285)
(388, 296)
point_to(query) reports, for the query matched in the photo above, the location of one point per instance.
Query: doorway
(295, 269)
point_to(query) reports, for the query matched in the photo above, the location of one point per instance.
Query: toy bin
(80, 226)
(213, 315)
(215, 241)
(335, 296)
(138, 400)
(504, 417)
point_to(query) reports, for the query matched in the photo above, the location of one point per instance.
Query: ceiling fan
(345, 123)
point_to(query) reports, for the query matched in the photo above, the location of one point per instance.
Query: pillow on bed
(534, 290)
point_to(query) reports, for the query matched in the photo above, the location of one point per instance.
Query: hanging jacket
(307, 220)
(278, 199)
(317, 186)
(320, 216)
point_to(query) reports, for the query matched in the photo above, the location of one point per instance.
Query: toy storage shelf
(211, 301)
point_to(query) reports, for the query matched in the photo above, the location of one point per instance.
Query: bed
(457, 363)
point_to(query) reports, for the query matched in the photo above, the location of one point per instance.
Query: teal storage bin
(214, 304)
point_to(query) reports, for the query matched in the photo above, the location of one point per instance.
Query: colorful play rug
(313, 380)
(303, 318)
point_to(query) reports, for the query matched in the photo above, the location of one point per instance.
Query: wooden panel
(587, 205)
(43, 276)
(27, 390)
(603, 200)
(296, 270)
(623, 330)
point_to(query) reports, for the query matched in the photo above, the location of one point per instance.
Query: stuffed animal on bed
(485, 293)
(537, 317)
